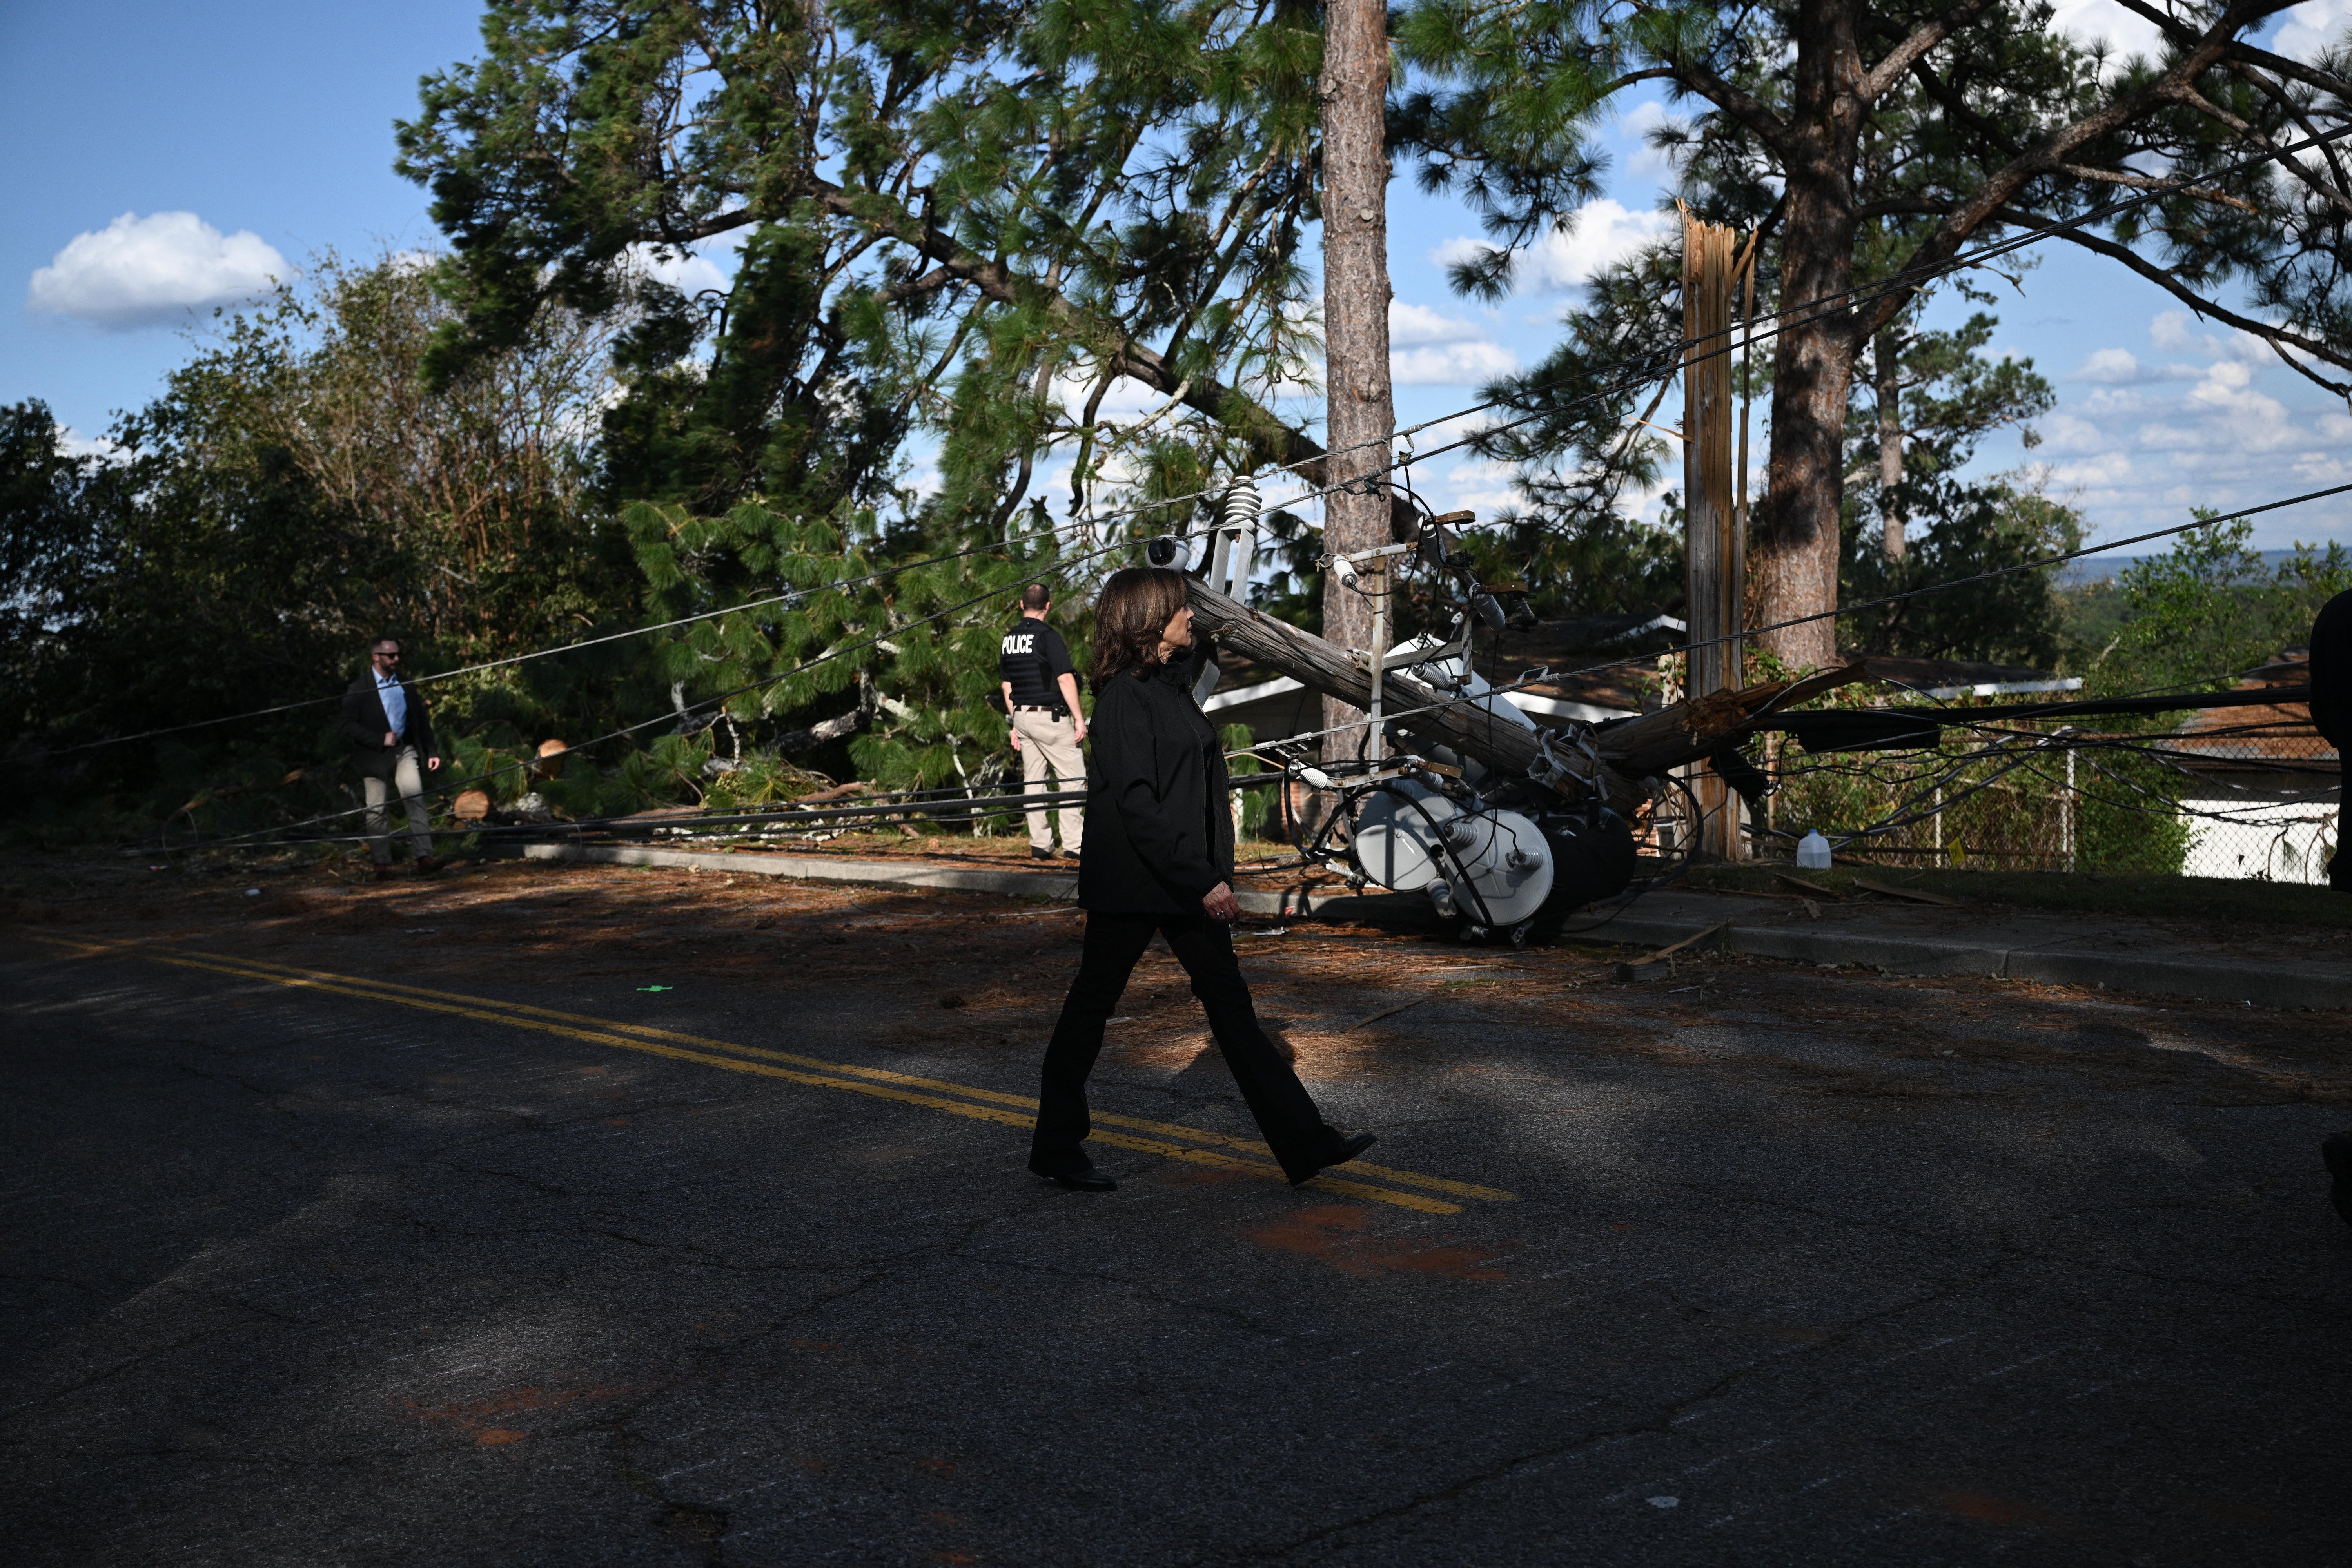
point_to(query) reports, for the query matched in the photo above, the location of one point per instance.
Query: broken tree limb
(1628, 755)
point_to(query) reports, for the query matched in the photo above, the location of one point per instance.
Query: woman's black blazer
(1159, 827)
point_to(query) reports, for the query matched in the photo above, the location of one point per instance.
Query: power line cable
(675, 714)
(790, 594)
(1660, 365)
(2047, 561)
(1682, 356)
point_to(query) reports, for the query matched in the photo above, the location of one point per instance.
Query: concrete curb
(2282, 983)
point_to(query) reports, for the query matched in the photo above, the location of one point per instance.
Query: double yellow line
(1170, 1140)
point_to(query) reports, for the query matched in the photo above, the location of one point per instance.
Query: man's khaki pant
(1048, 741)
(408, 773)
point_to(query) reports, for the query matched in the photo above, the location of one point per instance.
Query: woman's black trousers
(1294, 1128)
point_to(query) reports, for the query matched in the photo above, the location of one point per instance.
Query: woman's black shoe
(1087, 1180)
(1347, 1151)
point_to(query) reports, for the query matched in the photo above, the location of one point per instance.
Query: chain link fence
(2248, 791)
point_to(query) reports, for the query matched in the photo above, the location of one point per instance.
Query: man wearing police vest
(1041, 695)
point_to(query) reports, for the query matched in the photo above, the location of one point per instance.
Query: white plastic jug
(1813, 852)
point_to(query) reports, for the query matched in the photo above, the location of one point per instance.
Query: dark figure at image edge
(1159, 857)
(2331, 713)
(391, 735)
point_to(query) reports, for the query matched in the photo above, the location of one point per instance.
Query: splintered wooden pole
(1711, 511)
(1359, 411)
(1618, 770)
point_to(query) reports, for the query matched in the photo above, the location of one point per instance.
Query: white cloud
(2106, 470)
(2127, 31)
(2172, 330)
(141, 271)
(1415, 326)
(1452, 364)
(1125, 401)
(2250, 421)
(1480, 487)
(2312, 26)
(2113, 367)
(1432, 349)
(2065, 431)
(710, 263)
(1644, 162)
(2205, 417)
(687, 271)
(2169, 329)
(1599, 233)
(923, 476)
(74, 444)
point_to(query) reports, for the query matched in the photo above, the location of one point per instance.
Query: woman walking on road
(1159, 857)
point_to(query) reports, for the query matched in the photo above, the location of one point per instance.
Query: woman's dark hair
(1135, 606)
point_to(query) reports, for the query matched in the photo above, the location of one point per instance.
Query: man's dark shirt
(1032, 656)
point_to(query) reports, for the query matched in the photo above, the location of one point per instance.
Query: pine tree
(970, 220)
(1874, 143)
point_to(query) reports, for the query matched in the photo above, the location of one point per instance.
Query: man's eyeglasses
(387, 656)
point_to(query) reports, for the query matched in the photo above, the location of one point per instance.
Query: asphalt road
(401, 1225)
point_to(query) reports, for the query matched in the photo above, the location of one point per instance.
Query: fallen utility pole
(1612, 765)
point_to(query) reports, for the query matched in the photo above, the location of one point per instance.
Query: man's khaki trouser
(408, 773)
(1048, 741)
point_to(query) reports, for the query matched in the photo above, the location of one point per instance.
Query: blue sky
(268, 117)
(219, 143)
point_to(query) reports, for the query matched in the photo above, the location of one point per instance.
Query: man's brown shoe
(428, 864)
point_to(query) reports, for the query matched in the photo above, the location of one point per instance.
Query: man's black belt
(1033, 707)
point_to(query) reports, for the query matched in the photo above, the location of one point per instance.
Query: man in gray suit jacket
(390, 733)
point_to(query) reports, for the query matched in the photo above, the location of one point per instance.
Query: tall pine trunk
(1794, 559)
(1890, 443)
(1360, 414)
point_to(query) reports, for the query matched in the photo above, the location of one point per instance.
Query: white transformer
(1492, 868)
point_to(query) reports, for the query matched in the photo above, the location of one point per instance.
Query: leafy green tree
(142, 604)
(886, 672)
(2209, 609)
(984, 225)
(298, 489)
(1873, 144)
(477, 486)
(1578, 547)
(971, 220)
(45, 533)
(1937, 397)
